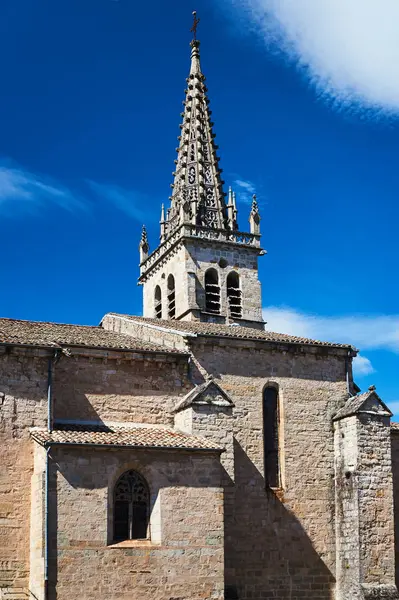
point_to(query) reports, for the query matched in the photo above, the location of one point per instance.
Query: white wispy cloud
(362, 366)
(244, 190)
(376, 332)
(373, 332)
(130, 202)
(348, 49)
(22, 190)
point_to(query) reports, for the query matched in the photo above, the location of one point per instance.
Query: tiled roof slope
(35, 333)
(115, 435)
(231, 331)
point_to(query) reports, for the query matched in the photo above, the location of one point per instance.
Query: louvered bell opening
(158, 303)
(171, 305)
(234, 295)
(171, 297)
(235, 302)
(212, 292)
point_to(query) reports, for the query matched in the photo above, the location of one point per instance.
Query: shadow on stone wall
(268, 554)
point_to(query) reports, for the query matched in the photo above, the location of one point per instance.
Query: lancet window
(271, 436)
(171, 297)
(234, 295)
(158, 302)
(212, 291)
(131, 507)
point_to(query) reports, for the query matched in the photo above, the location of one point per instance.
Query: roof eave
(49, 444)
(101, 348)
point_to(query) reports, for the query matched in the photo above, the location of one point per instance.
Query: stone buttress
(364, 500)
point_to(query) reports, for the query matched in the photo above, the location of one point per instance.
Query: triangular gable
(208, 393)
(369, 402)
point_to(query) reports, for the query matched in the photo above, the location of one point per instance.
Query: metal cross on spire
(195, 24)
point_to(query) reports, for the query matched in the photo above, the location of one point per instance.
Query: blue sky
(305, 103)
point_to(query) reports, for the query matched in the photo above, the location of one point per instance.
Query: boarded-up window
(131, 507)
(271, 437)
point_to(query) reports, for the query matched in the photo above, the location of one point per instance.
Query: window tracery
(210, 197)
(131, 507)
(191, 175)
(208, 174)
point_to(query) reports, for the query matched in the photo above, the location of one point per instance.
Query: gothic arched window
(212, 291)
(131, 507)
(158, 302)
(271, 436)
(234, 295)
(171, 297)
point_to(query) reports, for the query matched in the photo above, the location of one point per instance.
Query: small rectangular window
(271, 437)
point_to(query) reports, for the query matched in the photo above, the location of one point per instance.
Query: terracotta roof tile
(231, 331)
(123, 436)
(35, 333)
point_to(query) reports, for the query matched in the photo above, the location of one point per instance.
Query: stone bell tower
(204, 268)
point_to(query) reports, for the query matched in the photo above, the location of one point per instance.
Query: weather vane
(195, 24)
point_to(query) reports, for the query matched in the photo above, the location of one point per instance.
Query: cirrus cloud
(368, 332)
(22, 190)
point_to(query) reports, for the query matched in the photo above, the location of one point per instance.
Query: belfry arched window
(158, 302)
(212, 291)
(271, 436)
(131, 507)
(234, 295)
(171, 297)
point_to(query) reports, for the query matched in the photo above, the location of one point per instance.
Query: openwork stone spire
(204, 268)
(197, 196)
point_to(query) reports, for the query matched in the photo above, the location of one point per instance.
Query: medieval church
(190, 453)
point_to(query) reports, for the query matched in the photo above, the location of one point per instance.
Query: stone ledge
(133, 544)
(379, 592)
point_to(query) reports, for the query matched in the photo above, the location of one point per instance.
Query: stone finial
(372, 388)
(254, 216)
(144, 247)
(230, 210)
(163, 224)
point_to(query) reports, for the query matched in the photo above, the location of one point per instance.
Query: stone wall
(137, 390)
(347, 509)
(364, 506)
(87, 388)
(395, 473)
(375, 502)
(23, 404)
(185, 561)
(173, 264)
(279, 543)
